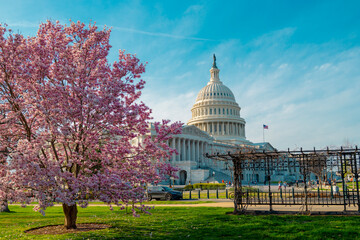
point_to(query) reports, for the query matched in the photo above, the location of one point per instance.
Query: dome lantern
(214, 72)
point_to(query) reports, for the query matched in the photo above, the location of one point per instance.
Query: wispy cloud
(159, 34)
(23, 24)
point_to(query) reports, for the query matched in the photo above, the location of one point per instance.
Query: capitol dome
(215, 91)
(216, 111)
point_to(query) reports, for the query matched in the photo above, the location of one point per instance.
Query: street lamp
(171, 181)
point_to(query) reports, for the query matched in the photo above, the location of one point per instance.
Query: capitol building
(216, 126)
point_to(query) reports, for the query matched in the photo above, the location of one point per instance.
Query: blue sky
(293, 65)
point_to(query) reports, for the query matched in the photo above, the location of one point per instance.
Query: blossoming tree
(68, 118)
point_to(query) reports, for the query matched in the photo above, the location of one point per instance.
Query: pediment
(194, 131)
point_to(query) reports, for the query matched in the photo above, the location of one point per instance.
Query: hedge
(205, 186)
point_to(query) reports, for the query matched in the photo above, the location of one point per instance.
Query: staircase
(219, 176)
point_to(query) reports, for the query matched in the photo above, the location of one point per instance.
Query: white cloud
(159, 34)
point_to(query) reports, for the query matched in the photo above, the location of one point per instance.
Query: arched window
(214, 110)
(223, 111)
(230, 111)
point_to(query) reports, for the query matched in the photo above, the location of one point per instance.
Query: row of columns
(223, 128)
(188, 149)
(215, 111)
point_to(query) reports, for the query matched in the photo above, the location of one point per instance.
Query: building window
(230, 111)
(227, 111)
(214, 110)
(210, 111)
(223, 111)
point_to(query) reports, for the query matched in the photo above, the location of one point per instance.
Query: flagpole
(263, 133)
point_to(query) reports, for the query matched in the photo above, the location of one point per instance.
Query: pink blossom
(68, 119)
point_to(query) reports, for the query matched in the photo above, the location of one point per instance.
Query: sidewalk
(226, 203)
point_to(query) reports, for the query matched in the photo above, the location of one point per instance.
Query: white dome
(215, 91)
(217, 112)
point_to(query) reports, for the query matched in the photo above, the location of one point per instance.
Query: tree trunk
(70, 216)
(4, 207)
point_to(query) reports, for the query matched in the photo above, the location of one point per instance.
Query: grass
(154, 202)
(182, 223)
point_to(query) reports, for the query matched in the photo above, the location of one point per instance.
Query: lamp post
(189, 172)
(171, 181)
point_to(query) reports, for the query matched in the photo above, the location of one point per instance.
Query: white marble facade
(215, 126)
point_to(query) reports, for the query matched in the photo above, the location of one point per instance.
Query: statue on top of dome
(214, 63)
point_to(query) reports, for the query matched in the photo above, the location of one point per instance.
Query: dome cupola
(216, 111)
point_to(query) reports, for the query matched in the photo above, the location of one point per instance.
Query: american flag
(265, 126)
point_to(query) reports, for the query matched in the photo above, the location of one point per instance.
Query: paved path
(225, 203)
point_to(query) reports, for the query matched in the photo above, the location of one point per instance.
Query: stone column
(188, 155)
(193, 150)
(197, 153)
(173, 146)
(183, 149)
(205, 151)
(178, 149)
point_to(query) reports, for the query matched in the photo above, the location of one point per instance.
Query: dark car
(300, 183)
(158, 192)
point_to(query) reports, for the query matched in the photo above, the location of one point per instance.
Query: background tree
(69, 118)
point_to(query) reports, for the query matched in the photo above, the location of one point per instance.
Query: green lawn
(155, 202)
(182, 223)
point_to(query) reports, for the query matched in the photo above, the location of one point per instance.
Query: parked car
(159, 192)
(300, 183)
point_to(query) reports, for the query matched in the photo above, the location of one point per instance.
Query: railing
(342, 162)
(207, 194)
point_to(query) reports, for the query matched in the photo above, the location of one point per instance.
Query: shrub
(209, 186)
